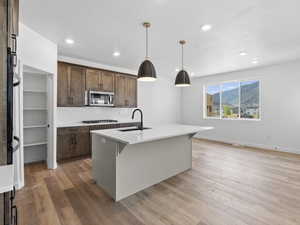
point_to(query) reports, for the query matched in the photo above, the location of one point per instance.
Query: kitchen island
(125, 162)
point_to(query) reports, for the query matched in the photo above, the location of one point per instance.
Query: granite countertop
(156, 132)
(7, 178)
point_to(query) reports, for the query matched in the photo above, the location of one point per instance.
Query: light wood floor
(227, 186)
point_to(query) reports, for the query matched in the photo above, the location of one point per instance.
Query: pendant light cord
(182, 56)
(147, 43)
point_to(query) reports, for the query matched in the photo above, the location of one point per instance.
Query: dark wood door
(93, 80)
(3, 85)
(83, 142)
(69, 146)
(131, 92)
(70, 85)
(73, 142)
(77, 86)
(107, 81)
(125, 91)
(65, 143)
(9, 13)
(63, 80)
(71, 150)
(120, 91)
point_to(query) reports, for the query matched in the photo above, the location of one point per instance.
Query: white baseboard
(253, 145)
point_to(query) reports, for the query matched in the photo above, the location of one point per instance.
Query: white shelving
(35, 109)
(35, 126)
(35, 117)
(35, 144)
(35, 91)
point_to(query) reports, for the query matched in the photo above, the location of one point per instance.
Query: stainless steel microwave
(98, 98)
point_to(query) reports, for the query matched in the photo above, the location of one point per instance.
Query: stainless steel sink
(133, 129)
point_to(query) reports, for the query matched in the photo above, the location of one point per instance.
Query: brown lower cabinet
(74, 142)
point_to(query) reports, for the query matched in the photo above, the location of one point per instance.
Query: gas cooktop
(100, 121)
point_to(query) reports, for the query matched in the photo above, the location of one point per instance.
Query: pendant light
(146, 70)
(182, 78)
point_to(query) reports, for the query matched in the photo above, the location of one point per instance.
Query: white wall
(279, 127)
(159, 100)
(37, 52)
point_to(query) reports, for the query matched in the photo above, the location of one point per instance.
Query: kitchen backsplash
(69, 115)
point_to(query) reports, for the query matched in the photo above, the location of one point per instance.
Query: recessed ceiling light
(254, 61)
(206, 27)
(69, 41)
(116, 54)
(243, 53)
(177, 70)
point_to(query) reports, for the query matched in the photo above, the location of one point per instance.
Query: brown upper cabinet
(126, 91)
(93, 79)
(70, 85)
(74, 80)
(107, 81)
(132, 92)
(99, 80)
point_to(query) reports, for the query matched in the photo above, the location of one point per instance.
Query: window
(250, 99)
(213, 101)
(230, 100)
(233, 100)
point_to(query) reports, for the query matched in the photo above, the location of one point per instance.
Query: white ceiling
(266, 29)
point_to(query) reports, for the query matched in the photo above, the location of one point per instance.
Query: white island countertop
(156, 132)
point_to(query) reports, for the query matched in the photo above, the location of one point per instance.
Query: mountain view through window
(233, 100)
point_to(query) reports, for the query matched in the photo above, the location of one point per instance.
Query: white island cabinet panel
(124, 163)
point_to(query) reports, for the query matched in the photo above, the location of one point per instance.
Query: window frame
(220, 84)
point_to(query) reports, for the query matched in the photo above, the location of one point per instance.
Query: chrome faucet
(141, 127)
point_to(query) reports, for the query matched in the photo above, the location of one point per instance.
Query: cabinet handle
(14, 49)
(17, 139)
(13, 194)
(15, 215)
(14, 45)
(71, 140)
(17, 83)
